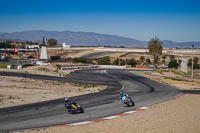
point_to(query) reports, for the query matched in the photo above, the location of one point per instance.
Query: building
(64, 45)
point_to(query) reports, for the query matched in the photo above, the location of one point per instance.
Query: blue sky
(177, 20)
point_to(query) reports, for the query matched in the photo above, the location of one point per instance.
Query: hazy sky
(177, 20)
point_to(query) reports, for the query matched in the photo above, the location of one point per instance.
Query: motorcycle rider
(126, 99)
(122, 94)
(68, 103)
(73, 107)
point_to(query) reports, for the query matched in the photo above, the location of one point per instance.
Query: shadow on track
(191, 91)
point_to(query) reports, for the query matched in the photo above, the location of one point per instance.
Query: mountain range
(88, 39)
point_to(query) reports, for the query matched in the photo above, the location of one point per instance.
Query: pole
(192, 62)
(192, 68)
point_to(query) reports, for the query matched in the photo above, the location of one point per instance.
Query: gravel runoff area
(179, 115)
(16, 91)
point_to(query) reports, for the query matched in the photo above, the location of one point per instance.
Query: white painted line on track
(111, 117)
(143, 108)
(129, 112)
(80, 123)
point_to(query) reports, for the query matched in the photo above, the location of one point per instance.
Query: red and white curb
(102, 119)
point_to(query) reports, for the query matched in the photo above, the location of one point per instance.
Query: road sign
(16, 50)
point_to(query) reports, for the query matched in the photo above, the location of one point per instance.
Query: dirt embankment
(174, 78)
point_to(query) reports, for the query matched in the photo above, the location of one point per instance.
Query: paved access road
(143, 91)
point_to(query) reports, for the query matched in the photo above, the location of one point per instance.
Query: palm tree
(155, 48)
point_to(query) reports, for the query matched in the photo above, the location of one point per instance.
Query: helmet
(66, 99)
(120, 93)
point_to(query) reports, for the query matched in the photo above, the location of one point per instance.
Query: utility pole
(192, 62)
(43, 41)
(192, 68)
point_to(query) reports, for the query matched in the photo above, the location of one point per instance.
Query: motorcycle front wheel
(130, 102)
(81, 110)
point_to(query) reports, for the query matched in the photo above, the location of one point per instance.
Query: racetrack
(95, 55)
(143, 91)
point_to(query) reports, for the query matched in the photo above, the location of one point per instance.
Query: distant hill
(86, 39)
(171, 44)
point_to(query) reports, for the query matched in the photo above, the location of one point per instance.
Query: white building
(32, 46)
(64, 45)
(43, 55)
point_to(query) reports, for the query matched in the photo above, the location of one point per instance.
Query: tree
(195, 61)
(155, 48)
(179, 62)
(173, 64)
(148, 61)
(190, 62)
(172, 57)
(131, 62)
(163, 58)
(142, 58)
(52, 42)
(122, 62)
(5, 44)
(116, 61)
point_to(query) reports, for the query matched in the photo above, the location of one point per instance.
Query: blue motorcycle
(126, 99)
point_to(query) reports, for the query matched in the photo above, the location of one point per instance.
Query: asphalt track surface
(143, 91)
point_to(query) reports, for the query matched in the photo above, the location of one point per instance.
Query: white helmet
(66, 99)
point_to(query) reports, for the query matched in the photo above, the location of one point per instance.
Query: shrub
(81, 60)
(104, 61)
(142, 58)
(159, 71)
(173, 64)
(3, 65)
(195, 63)
(172, 57)
(116, 61)
(131, 62)
(122, 62)
(58, 66)
(148, 61)
(178, 72)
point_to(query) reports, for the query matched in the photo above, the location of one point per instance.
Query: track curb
(102, 119)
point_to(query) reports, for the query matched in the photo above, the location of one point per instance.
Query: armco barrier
(95, 66)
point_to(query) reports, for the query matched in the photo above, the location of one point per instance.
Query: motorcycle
(128, 101)
(73, 107)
